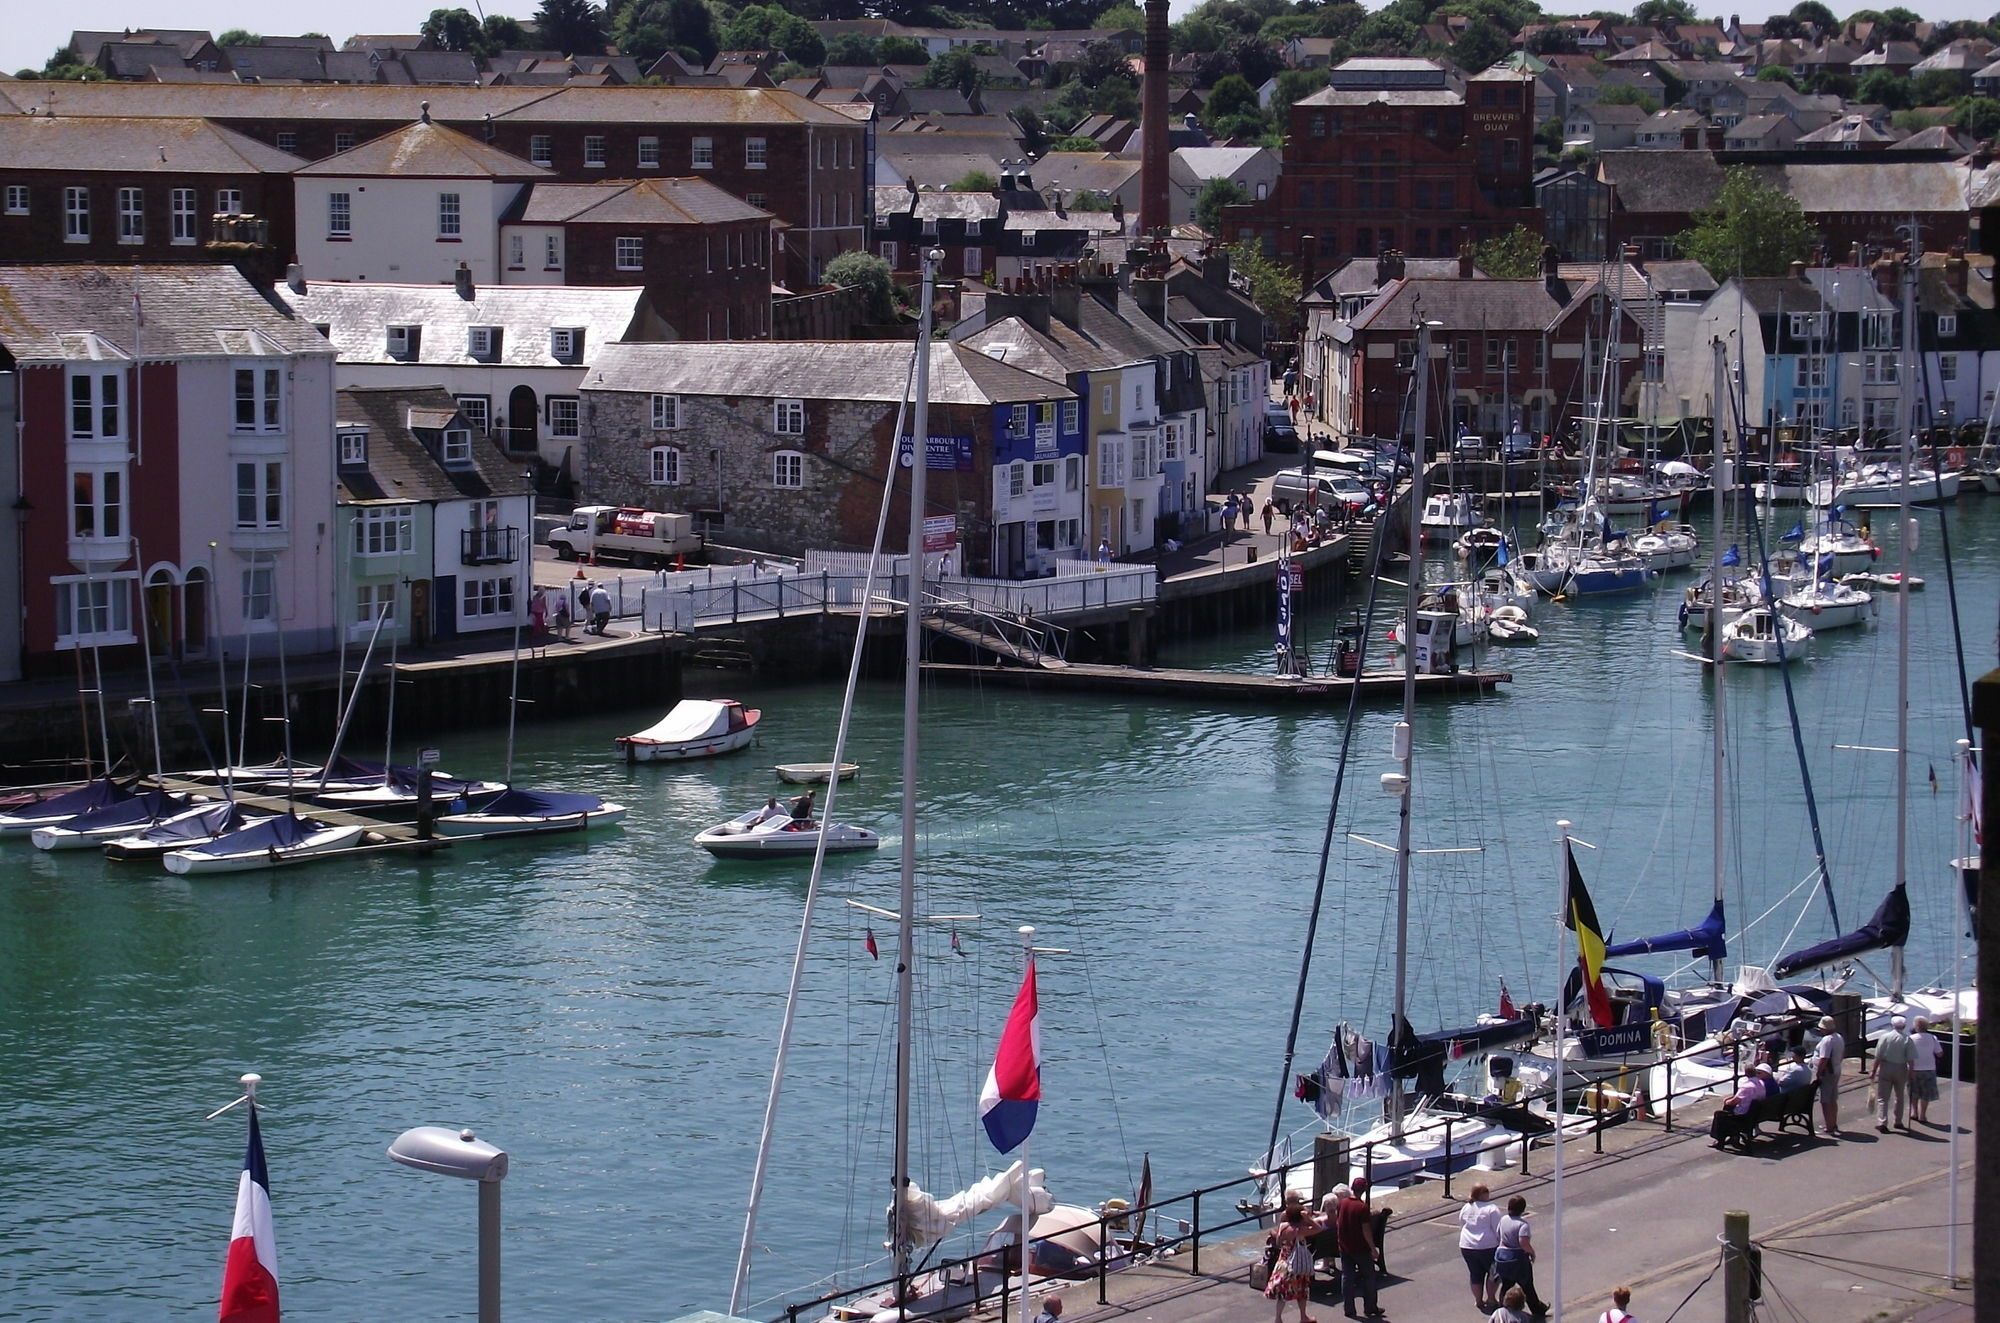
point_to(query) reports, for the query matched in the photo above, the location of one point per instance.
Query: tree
(1624, 94)
(1076, 145)
(773, 28)
(1978, 116)
(1515, 255)
(1663, 11)
(1216, 194)
(1479, 47)
(903, 50)
(239, 37)
(504, 34)
(852, 48)
(1777, 73)
(574, 27)
(1100, 62)
(1195, 35)
(1121, 15)
(869, 273)
(1938, 87)
(1881, 87)
(1782, 26)
(455, 30)
(1090, 199)
(1817, 17)
(1752, 230)
(647, 28)
(975, 181)
(1292, 85)
(1274, 287)
(1553, 40)
(956, 69)
(1232, 110)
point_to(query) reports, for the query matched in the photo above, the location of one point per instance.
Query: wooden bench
(1792, 1107)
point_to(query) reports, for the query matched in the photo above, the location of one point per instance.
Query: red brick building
(808, 165)
(138, 190)
(1399, 154)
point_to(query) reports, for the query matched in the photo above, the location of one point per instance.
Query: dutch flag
(1014, 1086)
(250, 1274)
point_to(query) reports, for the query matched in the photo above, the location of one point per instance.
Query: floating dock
(1217, 686)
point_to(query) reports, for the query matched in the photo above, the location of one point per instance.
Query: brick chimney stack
(1153, 122)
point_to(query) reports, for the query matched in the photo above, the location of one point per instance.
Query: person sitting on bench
(1733, 1120)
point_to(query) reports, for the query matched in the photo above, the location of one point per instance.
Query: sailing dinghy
(533, 813)
(190, 827)
(99, 825)
(58, 809)
(286, 839)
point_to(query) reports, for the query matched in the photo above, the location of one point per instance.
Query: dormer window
(1947, 324)
(482, 342)
(353, 445)
(404, 341)
(457, 445)
(566, 343)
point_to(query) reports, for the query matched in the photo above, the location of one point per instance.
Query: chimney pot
(295, 278)
(1798, 271)
(462, 280)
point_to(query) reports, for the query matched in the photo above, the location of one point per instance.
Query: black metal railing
(489, 546)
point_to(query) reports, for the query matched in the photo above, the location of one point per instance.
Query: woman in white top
(1925, 1050)
(1478, 1237)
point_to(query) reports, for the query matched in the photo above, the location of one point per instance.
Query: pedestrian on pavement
(600, 609)
(1893, 1053)
(1621, 1296)
(538, 613)
(1478, 1237)
(1514, 1257)
(1051, 1309)
(1104, 551)
(562, 616)
(1923, 1071)
(1829, 1058)
(1270, 512)
(1354, 1238)
(1292, 1271)
(1229, 516)
(1511, 1309)
(1292, 403)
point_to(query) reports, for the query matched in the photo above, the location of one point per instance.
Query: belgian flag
(1580, 917)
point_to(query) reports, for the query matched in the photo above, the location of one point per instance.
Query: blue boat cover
(280, 833)
(344, 768)
(1706, 939)
(211, 821)
(443, 787)
(540, 804)
(98, 794)
(1890, 927)
(139, 808)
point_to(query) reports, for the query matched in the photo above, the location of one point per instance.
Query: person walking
(1893, 1053)
(1104, 551)
(600, 609)
(1829, 1059)
(1229, 516)
(1354, 1239)
(562, 615)
(538, 614)
(1478, 1237)
(1925, 1051)
(1621, 1296)
(1270, 513)
(1292, 1269)
(1511, 1309)
(1514, 1256)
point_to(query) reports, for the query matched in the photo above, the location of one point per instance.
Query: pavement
(1853, 1230)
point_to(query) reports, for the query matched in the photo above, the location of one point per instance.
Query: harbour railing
(986, 1279)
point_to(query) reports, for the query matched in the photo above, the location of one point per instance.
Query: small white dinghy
(58, 809)
(813, 774)
(768, 833)
(533, 813)
(100, 825)
(696, 728)
(286, 839)
(202, 823)
(1509, 625)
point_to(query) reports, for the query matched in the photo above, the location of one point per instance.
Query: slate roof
(189, 311)
(400, 466)
(1469, 305)
(1936, 138)
(1851, 129)
(356, 313)
(136, 146)
(955, 206)
(1681, 182)
(1101, 171)
(815, 370)
(298, 63)
(1679, 274)
(426, 150)
(1218, 162)
(1357, 275)
(632, 202)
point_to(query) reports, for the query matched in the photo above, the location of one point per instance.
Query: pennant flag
(1144, 1196)
(250, 1273)
(1580, 917)
(1732, 556)
(868, 944)
(1506, 1002)
(1014, 1086)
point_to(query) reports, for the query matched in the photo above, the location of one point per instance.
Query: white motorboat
(1509, 625)
(273, 843)
(1451, 511)
(1764, 637)
(1878, 485)
(766, 834)
(1665, 547)
(696, 728)
(813, 774)
(202, 823)
(533, 813)
(58, 809)
(86, 830)
(1479, 545)
(1889, 582)
(1821, 604)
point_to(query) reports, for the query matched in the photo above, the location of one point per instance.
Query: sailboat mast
(1904, 531)
(913, 628)
(1405, 743)
(1717, 754)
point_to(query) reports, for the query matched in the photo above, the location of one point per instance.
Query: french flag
(1014, 1086)
(250, 1274)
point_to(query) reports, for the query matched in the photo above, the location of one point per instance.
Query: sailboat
(99, 825)
(59, 809)
(1058, 1235)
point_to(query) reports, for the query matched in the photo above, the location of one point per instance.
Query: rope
(1697, 1288)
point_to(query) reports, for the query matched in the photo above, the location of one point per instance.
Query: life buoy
(1955, 457)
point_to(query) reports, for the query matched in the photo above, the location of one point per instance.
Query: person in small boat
(802, 812)
(769, 811)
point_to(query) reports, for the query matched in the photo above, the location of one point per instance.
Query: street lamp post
(459, 1153)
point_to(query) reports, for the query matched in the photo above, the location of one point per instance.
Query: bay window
(260, 494)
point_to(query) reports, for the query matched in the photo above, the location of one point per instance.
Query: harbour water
(606, 1011)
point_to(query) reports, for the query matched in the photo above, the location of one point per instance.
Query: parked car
(1470, 445)
(1292, 487)
(1279, 431)
(1517, 445)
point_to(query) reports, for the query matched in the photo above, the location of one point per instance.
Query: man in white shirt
(1829, 1057)
(1893, 1053)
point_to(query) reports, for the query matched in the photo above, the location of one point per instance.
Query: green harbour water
(606, 1010)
